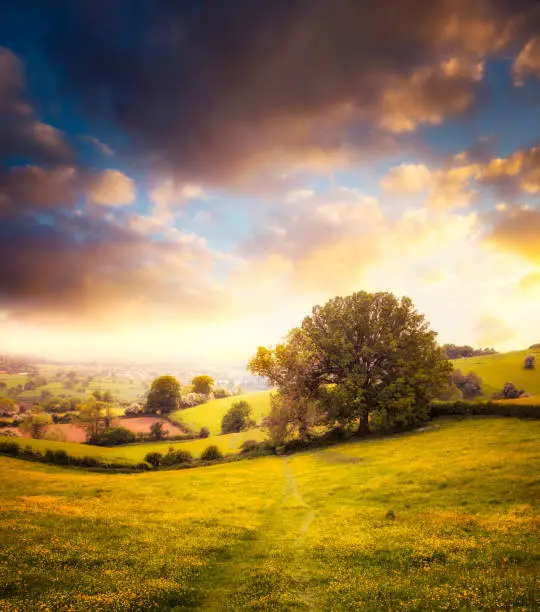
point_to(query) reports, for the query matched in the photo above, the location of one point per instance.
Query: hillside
(495, 370)
(381, 525)
(210, 414)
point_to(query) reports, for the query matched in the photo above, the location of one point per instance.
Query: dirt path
(261, 568)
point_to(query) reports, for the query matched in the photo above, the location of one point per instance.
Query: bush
(211, 453)
(133, 410)
(176, 457)
(529, 362)
(113, 436)
(221, 393)
(60, 457)
(189, 400)
(87, 461)
(154, 459)
(204, 433)
(237, 418)
(9, 448)
(509, 391)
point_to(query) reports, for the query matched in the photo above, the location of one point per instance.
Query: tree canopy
(202, 384)
(164, 395)
(367, 354)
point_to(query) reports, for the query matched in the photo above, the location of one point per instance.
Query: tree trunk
(363, 425)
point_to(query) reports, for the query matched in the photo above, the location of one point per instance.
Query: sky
(186, 180)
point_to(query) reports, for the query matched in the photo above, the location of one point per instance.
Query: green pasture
(443, 519)
(495, 370)
(210, 414)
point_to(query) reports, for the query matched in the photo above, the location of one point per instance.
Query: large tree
(361, 354)
(164, 395)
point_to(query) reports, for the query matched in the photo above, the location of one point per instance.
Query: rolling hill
(210, 414)
(495, 370)
(442, 519)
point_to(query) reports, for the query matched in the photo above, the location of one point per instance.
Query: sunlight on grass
(439, 520)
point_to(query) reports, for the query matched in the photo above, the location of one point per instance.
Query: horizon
(188, 183)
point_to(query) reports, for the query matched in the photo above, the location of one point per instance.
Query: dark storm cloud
(208, 88)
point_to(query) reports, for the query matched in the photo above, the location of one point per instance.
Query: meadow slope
(210, 414)
(442, 519)
(495, 370)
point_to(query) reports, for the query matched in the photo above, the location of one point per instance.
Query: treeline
(454, 351)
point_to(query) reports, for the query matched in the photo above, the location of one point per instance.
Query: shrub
(529, 362)
(133, 410)
(237, 418)
(9, 448)
(211, 453)
(142, 466)
(49, 456)
(87, 461)
(112, 436)
(483, 408)
(189, 400)
(509, 391)
(204, 433)
(154, 459)
(176, 457)
(61, 457)
(157, 431)
(249, 446)
(221, 393)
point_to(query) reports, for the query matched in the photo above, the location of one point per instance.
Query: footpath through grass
(444, 519)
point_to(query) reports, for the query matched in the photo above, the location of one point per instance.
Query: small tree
(204, 433)
(237, 418)
(211, 453)
(164, 395)
(36, 422)
(7, 406)
(202, 384)
(158, 431)
(529, 362)
(154, 459)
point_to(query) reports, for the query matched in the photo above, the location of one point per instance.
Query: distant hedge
(500, 408)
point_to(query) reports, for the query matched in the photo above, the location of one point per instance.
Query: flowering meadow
(440, 519)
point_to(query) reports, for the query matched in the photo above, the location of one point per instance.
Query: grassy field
(495, 370)
(210, 414)
(135, 453)
(445, 519)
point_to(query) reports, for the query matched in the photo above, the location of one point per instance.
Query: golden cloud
(517, 230)
(527, 62)
(408, 178)
(112, 188)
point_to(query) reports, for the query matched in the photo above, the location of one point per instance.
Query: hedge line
(530, 411)
(59, 457)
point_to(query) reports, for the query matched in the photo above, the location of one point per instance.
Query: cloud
(408, 178)
(209, 108)
(530, 284)
(517, 230)
(21, 133)
(32, 188)
(527, 62)
(101, 146)
(112, 188)
(427, 96)
(85, 271)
